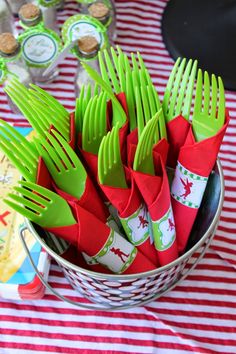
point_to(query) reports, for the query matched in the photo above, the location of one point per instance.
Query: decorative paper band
(136, 226)
(188, 188)
(117, 254)
(48, 3)
(164, 231)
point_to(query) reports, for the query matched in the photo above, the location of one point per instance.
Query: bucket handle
(111, 308)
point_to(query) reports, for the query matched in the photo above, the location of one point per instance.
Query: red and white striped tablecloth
(199, 315)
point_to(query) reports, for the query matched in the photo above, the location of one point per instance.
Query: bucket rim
(154, 272)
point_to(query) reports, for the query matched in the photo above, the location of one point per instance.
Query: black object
(203, 30)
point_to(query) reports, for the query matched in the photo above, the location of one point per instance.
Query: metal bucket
(116, 292)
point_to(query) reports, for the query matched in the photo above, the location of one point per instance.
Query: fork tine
(49, 98)
(214, 96)
(78, 111)
(85, 128)
(110, 149)
(101, 164)
(92, 117)
(175, 89)
(182, 88)
(139, 112)
(207, 93)
(59, 151)
(151, 101)
(111, 72)
(169, 86)
(130, 96)
(106, 152)
(24, 170)
(198, 96)
(44, 192)
(103, 69)
(49, 156)
(187, 102)
(26, 202)
(114, 58)
(32, 196)
(116, 146)
(21, 210)
(15, 136)
(144, 69)
(20, 152)
(49, 117)
(221, 105)
(70, 152)
(86, 98)
(145, 104)
(134, 62)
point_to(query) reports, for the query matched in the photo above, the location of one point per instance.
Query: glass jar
(40, 45)
(12, 64)
(88, 48)
(15, 5)
(49, 12)
(92, 37)
(104, 11)
(6, 18)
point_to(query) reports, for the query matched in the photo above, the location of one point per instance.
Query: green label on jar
(40, 48)
(48, 3)
(79, 26)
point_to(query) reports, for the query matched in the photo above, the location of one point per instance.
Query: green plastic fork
(40, 205)
(209, 108)
(81, 104)
(120, 117)
(39, 108)
(95, 123)
(49, 100)
(63, 164)
(179, 90)
(143, 159)
(110, 167)
(20, 151)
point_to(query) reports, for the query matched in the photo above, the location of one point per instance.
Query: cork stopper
(88, 45)
(8, 43)
(98, 10)
(29, 12)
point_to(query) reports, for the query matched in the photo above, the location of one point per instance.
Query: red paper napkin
(156, 193)
(103, 244)
(90, 200)
(177, 130)
(133, 215)
(195, 162)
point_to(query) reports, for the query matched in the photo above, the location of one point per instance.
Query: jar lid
(30, 14)
(98, 10)
(88, 45)
(8, 44)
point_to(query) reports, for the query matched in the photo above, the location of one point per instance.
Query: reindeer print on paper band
(117, 254)
(187, 187)
(136, 226)
(164, 231)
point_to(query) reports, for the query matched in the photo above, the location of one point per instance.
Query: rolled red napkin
(156, 193)
(133, 215)
(103, 244)
(90, 200)
(195, 163)
(177, 130)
